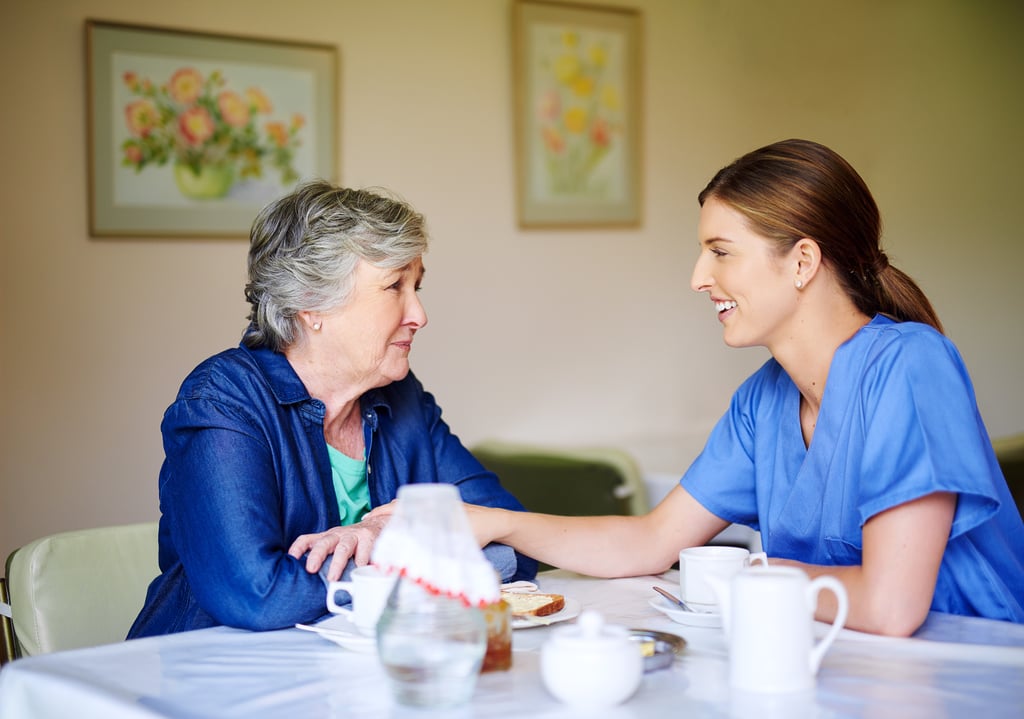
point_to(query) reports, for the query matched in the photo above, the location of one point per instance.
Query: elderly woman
(275, 450)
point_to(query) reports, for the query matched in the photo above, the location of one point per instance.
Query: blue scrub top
(898, 421)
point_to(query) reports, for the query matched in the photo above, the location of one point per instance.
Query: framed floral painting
(577, 99)
(190, 134)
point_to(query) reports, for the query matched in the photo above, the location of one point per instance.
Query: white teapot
(591, 665)
(768, 617)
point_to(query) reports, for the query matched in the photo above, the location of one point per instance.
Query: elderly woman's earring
(316, 326)
(799, 284)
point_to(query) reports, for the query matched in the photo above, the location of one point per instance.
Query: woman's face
(751, 287)
(370, 336)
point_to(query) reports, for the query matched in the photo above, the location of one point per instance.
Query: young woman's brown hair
(797, 188)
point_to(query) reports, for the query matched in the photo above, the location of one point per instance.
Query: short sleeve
(922, 430)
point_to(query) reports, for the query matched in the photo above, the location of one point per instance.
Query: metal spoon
(674, 599)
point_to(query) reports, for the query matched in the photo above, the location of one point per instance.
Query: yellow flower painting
(577, 116)
(577, 72)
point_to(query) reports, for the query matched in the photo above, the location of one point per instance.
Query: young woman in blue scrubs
(857, 450)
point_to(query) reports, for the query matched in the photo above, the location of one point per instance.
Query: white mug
(770, 625)
(699, 564)
(369, 589)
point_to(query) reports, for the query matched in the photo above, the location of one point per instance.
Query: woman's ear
(807, 255)
(311, 320)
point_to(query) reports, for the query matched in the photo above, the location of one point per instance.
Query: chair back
(568, 481)
(1010, 453)
(81, 588)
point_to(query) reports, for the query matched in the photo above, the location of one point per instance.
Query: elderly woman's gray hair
(304, 248)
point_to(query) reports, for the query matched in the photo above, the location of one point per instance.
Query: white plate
(691, 619)
(571, 610)
(342, 632)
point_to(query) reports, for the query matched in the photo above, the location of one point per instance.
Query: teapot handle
(843, 606)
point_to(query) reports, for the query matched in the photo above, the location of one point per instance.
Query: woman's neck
(806, 353)
(327, 382)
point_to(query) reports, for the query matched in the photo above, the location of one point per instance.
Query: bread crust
(535, 604)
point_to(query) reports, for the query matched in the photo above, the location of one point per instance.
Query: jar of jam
(498, 618)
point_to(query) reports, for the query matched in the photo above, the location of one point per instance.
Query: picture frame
(192, 133)
(577, 99)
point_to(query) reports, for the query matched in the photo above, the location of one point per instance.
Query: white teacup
(697, 564)
(369, 588)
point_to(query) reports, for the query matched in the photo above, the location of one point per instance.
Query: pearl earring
(799, 284)
(316, 326)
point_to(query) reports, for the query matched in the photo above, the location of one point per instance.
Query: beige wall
(586, 336)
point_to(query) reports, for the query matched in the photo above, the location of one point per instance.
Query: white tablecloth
(957, 667)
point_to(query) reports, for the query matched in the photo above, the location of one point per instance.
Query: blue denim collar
(288, 388)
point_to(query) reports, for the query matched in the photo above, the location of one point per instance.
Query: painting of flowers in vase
(192, 134)
(578, 121)
(211, 135)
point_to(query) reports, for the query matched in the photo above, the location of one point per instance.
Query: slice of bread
(534, 604)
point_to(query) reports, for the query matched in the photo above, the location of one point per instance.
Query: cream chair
(81, 588)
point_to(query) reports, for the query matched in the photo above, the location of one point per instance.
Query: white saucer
(571, 610)
(342, 632)
(681, 616)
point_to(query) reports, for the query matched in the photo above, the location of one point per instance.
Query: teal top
(349, 476)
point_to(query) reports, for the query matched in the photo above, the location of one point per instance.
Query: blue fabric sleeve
(221, 503)
(923, 433)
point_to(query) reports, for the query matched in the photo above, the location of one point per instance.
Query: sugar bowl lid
(590, 633)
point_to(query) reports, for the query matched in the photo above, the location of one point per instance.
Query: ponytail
(901, 298)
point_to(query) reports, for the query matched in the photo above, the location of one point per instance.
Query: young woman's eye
(717, 252)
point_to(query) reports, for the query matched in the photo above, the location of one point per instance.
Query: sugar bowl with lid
(591, 664)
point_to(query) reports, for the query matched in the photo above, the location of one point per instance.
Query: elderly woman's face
(370, 336)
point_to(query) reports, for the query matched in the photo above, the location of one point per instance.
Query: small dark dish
(659, 648)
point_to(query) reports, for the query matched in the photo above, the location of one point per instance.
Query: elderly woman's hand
(354, 541)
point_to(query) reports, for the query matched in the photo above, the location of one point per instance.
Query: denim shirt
(246, 472)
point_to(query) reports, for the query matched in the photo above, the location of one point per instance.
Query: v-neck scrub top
(898, 421)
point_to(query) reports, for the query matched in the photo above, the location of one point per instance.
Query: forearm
(890, 611)
(611, 546)
(226, 528)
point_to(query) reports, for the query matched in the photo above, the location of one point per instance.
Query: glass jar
(431, 646)
(498, 618)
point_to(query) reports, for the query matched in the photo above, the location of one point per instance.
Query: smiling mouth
(721, 307)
